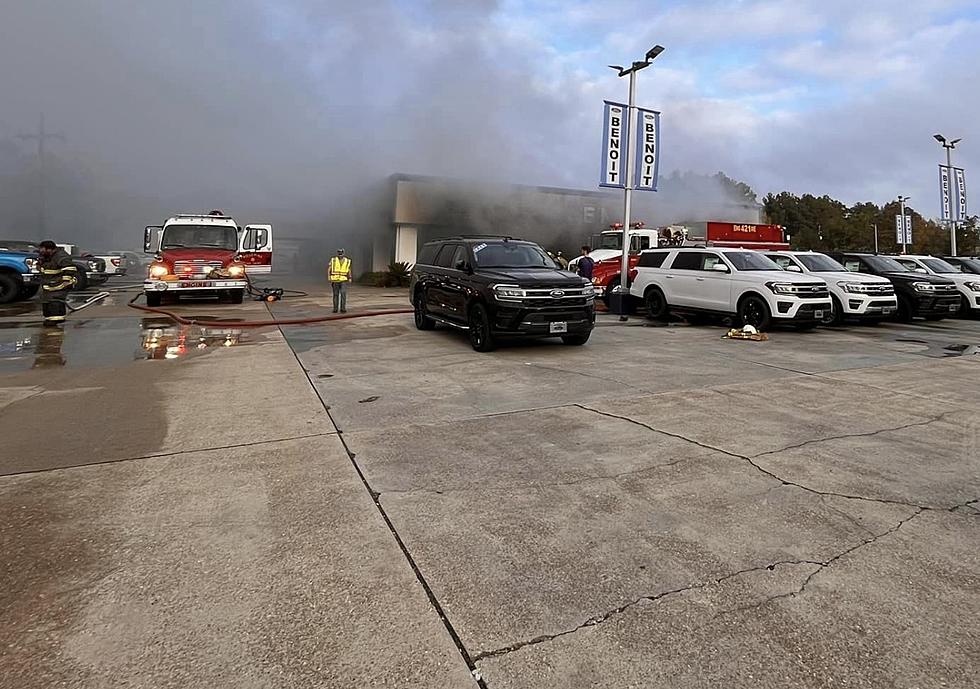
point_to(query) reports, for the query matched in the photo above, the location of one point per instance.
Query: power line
(41, 136)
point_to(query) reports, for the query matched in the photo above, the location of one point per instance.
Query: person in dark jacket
(58, 276)
(586, 264)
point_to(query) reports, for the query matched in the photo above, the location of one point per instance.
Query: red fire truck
(606, 274)
(202, 255)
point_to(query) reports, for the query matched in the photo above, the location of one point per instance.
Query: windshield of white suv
(745, 260)
(200, 236)
(937, 265)
(511, 255)
(884, 264)
(818, 263)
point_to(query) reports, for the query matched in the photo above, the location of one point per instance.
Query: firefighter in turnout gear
(339, 274)
(58, 276)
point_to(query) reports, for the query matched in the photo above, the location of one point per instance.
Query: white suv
(731, 282)
(967, 284)
(855, 295)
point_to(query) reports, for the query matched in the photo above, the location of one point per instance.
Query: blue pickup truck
(19, 278)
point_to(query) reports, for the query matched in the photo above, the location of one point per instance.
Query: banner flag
(961, 210)
(906, 230)
(615, 144)
(946, 204)
(646, 160)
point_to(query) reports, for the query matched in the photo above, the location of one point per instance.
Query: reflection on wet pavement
(162, 339)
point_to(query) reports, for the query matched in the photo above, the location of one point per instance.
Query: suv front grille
(560, 294)
(878, 289)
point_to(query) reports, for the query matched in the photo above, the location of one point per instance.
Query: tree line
(821, 223)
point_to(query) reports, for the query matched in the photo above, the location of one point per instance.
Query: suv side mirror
(719, 268)
(920, 270)
(793, 268)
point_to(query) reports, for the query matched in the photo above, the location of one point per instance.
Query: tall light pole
(628, 188)
(901, 203)
(949, 146)
(875, 228)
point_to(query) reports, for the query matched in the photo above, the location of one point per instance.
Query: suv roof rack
(505, 237)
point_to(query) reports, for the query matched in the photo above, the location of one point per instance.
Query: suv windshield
(200, 236)
(818, 263)
(938, 265)
(745, 260)
(884, 264)
(511, 255)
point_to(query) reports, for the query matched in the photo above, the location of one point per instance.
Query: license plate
(818, 314)
(558, 327)
(200, 283)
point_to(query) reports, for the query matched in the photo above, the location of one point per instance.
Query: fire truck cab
(204, 255)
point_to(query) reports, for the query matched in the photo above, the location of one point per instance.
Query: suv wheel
(904, 310)
(81, 278)
(481, 338)
(836, 314)
(422, 320)
(656, 304)
(753, 310)
(9, 288)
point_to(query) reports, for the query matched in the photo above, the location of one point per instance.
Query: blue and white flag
(903, 231)
(960, 182)
(945, 194)
(646, 160)
(615, 144)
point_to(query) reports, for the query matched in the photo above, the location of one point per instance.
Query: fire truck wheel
(656, 304)
(154, 299)
(236, 296)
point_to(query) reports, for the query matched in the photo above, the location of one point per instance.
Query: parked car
(967, 284)
(91, 269)
(135, 264)
(919, 295)
(19, 278)
(499, 287)
(863, 297)
(740, 283)
(966, 264)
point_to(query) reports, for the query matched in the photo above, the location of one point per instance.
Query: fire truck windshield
(200, 236)
(613, 240)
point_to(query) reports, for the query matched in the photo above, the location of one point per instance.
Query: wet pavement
(358, 503)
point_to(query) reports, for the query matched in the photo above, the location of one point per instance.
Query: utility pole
(901, 203)
(949, 146)
(624, 278)
(41, 136)
(875, 226)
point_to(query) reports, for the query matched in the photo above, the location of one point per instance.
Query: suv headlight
(588, 290)
(508, 293)
(31, 264)
(975, 286)
(92, 265)
(781, 287)
(853, 287)
(923, 287)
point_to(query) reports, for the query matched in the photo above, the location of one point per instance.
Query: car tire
(613, 284)
(576, 340)
(904, 312)
(965, 309)
(154, 299)
(27, 292)
(656, 303)
(9, 288)
(753, 310)
(422, 320)
(836, 312)
(481, 338)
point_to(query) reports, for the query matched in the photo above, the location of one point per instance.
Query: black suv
(495, 287)
(966, 264)
(919, 294)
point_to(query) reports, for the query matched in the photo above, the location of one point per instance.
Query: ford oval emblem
(557, 293)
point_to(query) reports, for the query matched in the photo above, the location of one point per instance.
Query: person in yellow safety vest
(58, 276)
(339, 274)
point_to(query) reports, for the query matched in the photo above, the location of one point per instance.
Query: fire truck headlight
(236, 270)
(159, 270)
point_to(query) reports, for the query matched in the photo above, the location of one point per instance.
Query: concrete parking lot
(359, 504)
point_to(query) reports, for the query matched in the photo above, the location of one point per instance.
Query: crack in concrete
(865, 434)
(751, 461)
(596, 620)
(527, 486)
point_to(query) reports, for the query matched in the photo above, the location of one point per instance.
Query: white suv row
(967, 284)
(854, 295)
(730, 282)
